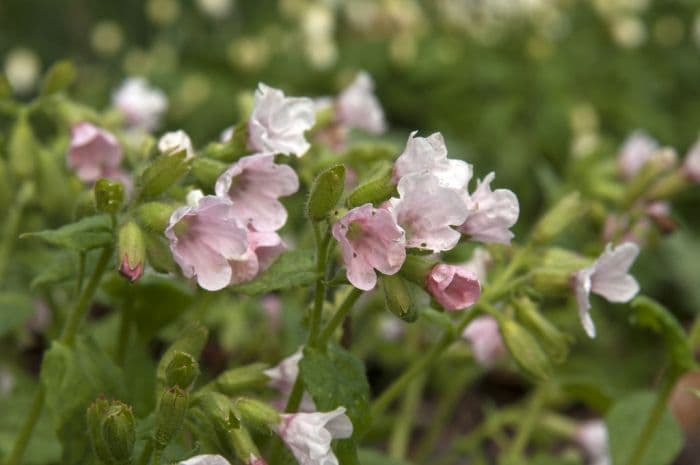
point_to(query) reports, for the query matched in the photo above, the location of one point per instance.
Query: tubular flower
(637, 149)
(485, 340)
(491, 213)
(206, 460)
(94, 153)
(277, 123)
(607, 277)
(175, 141)
(358, 107)
(254, 184)
(141, 104)
(309, 435)
(263, 249)
(283, 376)
(429, 154)
(204, 237)
(453, 287)
(370, 239)
(592, 436)
(426, 210)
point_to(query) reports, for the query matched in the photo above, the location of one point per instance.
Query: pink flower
(491, 213)
(309, 435)
(176, 141)
(453, 287)
(254, 183)
(691, 164)
(277, 123)
(635, 152)
(426, 210)
(206, 460)
(284, 375)
(358, 107)
(94, 153)
(141, 104)
(263, 249)
(607, 277)
(485, 340)
(204, 237)
(429, 154)
(592, 436)
(370, 239)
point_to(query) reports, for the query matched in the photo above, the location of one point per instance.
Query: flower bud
(22, 146)
(398, 298)
(325, 192)
(416, 269)
(525, 350)
(109, 195)
(59, 77)
(553, 274)
(170, 416)
(163, 173)
(132, 251)
(453, 287)
(245, 448)
(118, 430)
(375, 192)
(558, 218)
(554, 341)
(257, 413)
(638, 186)
(154, 216)
(95, 415)
(207, 170)
(669, 185)
(182, 371)
(237, 380)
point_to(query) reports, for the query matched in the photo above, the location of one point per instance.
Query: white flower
(429, 154)
(485, 340)
(206, 460)
(637, 149)
(358, 107)
(141, 104)
(175, 141)
(592, 436)
(283, 376)
(607, 277)
(277, 123)
(309, 435)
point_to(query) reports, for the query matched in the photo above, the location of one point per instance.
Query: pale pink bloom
(309, 435)
(453, 287)
(592, 436)
(254, 184)
(277, 123)
(141, 104)
(272, 307)
(176, 141)
(93, 153)
(204, 238)
(370, 239)
(284, 375)
(42, 317)
(479, 264)
(426, 210)
(132, 274)
(639, 149)
(263, 249)
(226, 135)
(491, 213)
(485, 340)
(608, 277)
(429, 154)
(691, 164)
(358, 107)
(206, 460)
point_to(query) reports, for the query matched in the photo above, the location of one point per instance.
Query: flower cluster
(431, 213)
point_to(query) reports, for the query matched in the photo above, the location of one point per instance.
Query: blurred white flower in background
(107, 37)
(22, 67)
(216, 8)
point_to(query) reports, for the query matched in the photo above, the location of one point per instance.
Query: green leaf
(59, 77)
(337, 378)
(62, 267)
(89, 233)
(292, 269)
(15, 309)
(625, 422)
(650, 314)
(165, 171)
(74, 377)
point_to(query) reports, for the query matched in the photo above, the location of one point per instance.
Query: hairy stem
(339, 316)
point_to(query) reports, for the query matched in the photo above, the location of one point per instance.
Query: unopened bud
(375, 192)
(207, 170)
(554, 341)
(160, 175)
(245, 448)
(237, 380)
(553, 274)
(154, 216)
(132, 251)
(171, 415)
(109, 195)
(257, 413)
(190, 341)
(119, 432)
(182, 371)
(95, 415)
(158, 253)
(525, 350)
(59, 77)
(558, 218)
(325, 192)
(398, 299)
(22, 146)
(416, 269)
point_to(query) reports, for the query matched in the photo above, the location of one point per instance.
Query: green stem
(295, 396)
(401, 435)
(81, 272)
(67, 338)
(11, 229)
(123, 341)
(321, 246)
(528, 424)
(652, 423)
(26, 432)
(146, 453)
(339, 316)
